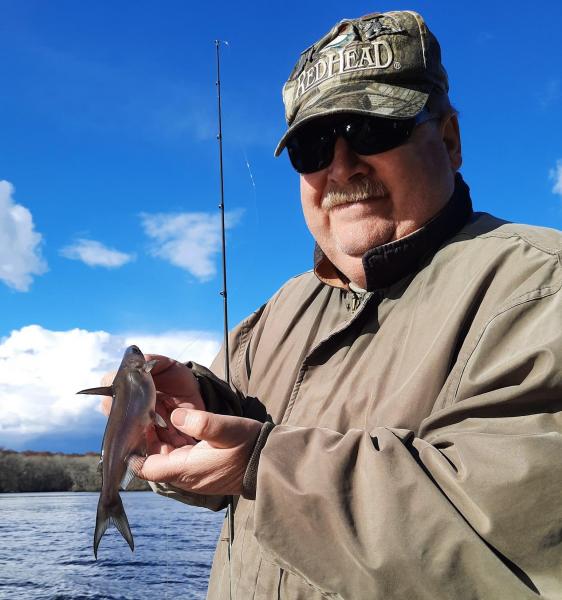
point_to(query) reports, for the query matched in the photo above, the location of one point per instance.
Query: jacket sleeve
(468, 507)
(220, 398)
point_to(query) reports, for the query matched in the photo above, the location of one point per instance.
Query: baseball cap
(381, 64)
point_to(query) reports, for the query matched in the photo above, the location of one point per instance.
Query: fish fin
(127, 478)
(159, 420)
(134, 465)
(113, 514)
(149, 365)
(99, 391)
(102, 523)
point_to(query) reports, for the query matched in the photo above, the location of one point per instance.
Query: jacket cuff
(249, 483)
(218, 396)
(214, 503)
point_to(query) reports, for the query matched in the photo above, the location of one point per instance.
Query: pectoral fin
(99, 391)
(127, 478)
(148, 366)
(134, 465)
(159, 420)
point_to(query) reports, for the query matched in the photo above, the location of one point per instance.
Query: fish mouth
(134, 350)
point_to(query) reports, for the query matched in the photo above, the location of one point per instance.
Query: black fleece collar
(387, 264)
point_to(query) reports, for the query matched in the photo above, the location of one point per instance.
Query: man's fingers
(108, 378)
(105, 405)
(176, 381)
(106, 401)
(174, 437)
(170, 403)
(216, 464)
(154, 445)
(162, 363)
(221, 431)
(167, 466)
(169, 372)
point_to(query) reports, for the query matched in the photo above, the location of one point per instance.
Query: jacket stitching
(522, 237)
(295, 393)
(241, 350)
(537, 294)
(273, 559)
(506, 236)
(242, 544)
(243, 338)
(304, 366)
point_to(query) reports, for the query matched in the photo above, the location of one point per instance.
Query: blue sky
(108, 158)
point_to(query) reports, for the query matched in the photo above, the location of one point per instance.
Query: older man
(394, 425)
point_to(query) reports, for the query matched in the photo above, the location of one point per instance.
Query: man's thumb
(222, 431)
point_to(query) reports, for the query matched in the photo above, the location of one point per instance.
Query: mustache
(355, 191)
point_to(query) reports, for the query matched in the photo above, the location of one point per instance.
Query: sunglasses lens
(371, 135)
(311, 148)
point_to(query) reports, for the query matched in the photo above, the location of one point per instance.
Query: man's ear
(451, 135)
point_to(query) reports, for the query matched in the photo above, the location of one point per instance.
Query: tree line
(52, 472)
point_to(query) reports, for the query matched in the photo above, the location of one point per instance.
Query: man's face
(359, 202)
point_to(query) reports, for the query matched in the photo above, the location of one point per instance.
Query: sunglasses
(311, 147)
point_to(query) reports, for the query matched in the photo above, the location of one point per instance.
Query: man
(394, 427)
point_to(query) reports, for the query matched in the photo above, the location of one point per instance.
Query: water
(46, 549)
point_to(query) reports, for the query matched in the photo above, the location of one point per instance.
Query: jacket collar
(387, 264)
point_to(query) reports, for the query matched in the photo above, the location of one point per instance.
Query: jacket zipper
(354, 303)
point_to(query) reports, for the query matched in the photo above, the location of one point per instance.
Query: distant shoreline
(30, 471)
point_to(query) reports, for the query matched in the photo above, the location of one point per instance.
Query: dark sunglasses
(311, 147)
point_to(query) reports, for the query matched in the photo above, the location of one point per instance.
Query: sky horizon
(109, 225)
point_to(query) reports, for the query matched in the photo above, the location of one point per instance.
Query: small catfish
(124, 441)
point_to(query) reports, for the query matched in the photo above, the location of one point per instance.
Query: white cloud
(190, 241)
(550, 93)
(556, 175)
(20, 244)
(41, 371)
(95, 254)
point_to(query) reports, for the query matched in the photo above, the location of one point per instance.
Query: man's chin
(357, 242)
(357, 250)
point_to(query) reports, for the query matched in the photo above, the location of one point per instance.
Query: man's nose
(346, 164)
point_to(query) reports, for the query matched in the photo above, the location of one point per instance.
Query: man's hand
(215, 465)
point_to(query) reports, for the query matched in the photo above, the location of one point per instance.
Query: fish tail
(112, 514)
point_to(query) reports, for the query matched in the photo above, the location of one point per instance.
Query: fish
(124, 440)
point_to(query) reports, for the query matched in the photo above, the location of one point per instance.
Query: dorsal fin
(99, 391)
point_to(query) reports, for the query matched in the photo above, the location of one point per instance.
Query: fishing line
(247, 163)
(254, 189)
(166, 562)
(185, 349)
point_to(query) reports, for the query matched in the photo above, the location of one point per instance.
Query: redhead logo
(357, 45)
(341, 57)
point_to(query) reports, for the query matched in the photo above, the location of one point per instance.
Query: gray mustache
(336, 195)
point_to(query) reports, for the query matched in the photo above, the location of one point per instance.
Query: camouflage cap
(383, 64)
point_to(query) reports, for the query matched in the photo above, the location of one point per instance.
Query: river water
(46, 549)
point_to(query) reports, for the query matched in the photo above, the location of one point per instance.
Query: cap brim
(366, 98)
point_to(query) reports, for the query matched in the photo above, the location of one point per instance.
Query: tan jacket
(417, 452)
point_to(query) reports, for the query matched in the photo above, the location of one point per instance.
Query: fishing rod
(223, 293)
